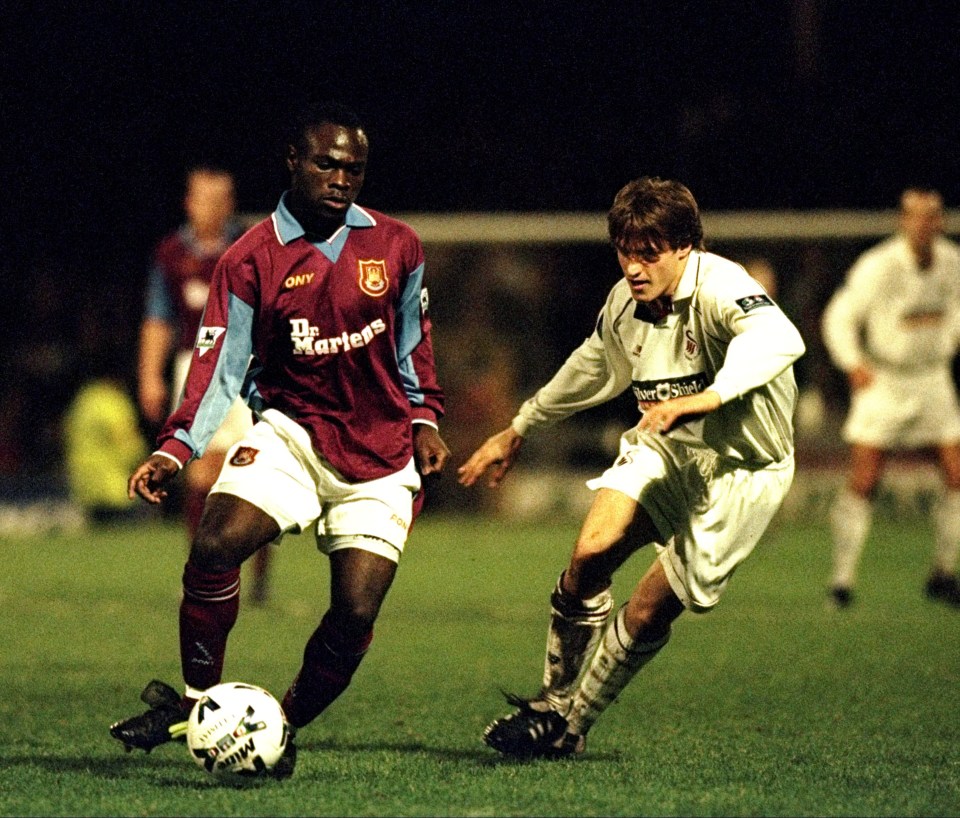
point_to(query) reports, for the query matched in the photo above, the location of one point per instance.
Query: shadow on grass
(118, 767)
(167, 769)
(486, 757)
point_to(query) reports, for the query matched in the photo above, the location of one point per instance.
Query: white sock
(946, 522)
(576, 626)
(617, 660)
(850, 518)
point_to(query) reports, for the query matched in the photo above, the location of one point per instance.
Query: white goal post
(573, 227)
(569, 227)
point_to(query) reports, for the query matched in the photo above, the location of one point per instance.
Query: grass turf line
(770, 705)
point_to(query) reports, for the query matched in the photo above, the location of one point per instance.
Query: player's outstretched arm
(149, 476)
(499, 451)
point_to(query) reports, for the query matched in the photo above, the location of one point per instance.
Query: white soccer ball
(237, 730)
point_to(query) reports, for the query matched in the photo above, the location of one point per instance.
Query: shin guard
(617, 660)
(575, 629)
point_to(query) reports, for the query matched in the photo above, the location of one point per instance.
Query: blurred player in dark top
(329, 300)
(177, 288)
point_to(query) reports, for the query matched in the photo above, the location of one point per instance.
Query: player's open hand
(150, 475)
(499, 451)
(659, 417)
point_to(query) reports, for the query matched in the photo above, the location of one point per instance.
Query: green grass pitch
(770, 705)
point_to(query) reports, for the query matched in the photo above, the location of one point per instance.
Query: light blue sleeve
(409, 333)
(157, 303)
(227, 379)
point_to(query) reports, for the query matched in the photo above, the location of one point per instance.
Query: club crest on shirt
(244, 456)
(691, 347)
(373, 276)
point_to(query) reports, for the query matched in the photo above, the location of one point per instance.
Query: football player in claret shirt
(709, 357)
(177, 289)
(318, 317)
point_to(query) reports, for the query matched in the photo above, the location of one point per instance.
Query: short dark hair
(206, 169)
(651, 215)
(328, 112)
(923, 191)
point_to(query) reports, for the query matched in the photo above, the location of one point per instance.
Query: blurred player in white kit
(892, 327)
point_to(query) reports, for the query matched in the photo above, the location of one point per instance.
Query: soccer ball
(237, 730)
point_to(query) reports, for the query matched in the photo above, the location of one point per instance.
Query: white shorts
(904, 411)
(710, 511)
(275, 468)
(238, 421)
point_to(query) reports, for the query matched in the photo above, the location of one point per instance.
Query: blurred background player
(762, 270)
(177, 288)
(892, 328)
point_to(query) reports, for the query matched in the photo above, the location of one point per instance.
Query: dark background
(476, 106)
(788, 104)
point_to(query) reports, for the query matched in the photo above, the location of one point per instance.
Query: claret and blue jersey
(333, 333)
(179, 281)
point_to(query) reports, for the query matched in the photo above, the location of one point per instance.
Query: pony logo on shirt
(373, 276)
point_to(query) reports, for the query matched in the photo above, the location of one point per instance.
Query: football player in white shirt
(892, 328)
(709, 357)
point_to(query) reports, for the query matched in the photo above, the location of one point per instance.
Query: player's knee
(230, 531)
(217, 549)
(863, 486)
(591, 566)
(649, 620)
(354, 617)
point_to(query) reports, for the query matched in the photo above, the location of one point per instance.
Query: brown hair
(650, 215)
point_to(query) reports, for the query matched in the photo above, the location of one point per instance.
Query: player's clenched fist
(149, 476)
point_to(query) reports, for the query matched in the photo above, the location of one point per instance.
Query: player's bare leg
(200, 476)
(850, 518)
(230, 530)
(942, 584)
(359, 581)
(615, 526)
(581, 604)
